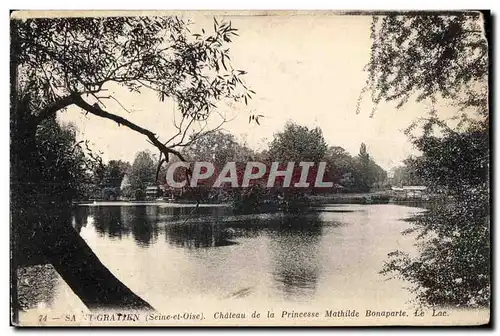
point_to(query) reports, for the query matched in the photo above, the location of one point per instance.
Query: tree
(111, 177)
(114, 172)
(365, 172)
(407, 174)
(435, 57)
(341, 167)
(143, 171)
(457, 227)
(56, 167)
(298, 143)
(366, 176)
(48, 170)
(218, 148)
(429, 56)
(63, 62)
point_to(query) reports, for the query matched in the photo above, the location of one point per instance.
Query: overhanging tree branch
(122, 121)
(54, 107)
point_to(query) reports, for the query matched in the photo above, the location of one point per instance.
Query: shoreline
(379, 197)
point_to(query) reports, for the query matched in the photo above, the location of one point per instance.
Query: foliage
(143, 171)
(81, 55)
(62, 62)
(47, 160)
(73, 61)
(454, 265)
(49, 169)
(298, 143)
(407, 173)
(429, 56)
(62, 160)
(356, 174)
(114, 171)
(218, 148)
(456, 163)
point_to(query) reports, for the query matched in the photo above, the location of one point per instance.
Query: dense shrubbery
(441, 60)
(453, 267)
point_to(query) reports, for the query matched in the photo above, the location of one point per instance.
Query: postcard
(250, 168)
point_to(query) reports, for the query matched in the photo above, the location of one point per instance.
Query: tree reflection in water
(108, 221)
(203, 230)
(294, 254)
(293, 238)
(119, 221)
(198, 235)
(80, 218)
(143, 223)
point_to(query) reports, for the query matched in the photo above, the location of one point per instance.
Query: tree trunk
(82, 270)
(40, 225)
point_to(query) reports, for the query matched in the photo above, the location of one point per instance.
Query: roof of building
(404, 188)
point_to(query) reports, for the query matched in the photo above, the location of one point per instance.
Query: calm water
(329, 254)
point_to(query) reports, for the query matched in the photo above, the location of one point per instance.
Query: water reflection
(198, 235)
(292, 245)
(80, 218)
(142, 221)
(294, 251)
(176, 255)
(293, 238)
(145, 221)
(117, 222)
(108, 221)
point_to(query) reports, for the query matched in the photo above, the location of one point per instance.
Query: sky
(304, 68)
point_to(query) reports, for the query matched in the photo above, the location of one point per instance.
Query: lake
(329, 255)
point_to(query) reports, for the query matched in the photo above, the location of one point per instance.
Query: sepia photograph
(250, 168)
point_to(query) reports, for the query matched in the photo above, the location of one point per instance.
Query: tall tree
(298, 143)
(114, 171)
(218, 147)
(143, 171)
(62, 63)
(366, 171)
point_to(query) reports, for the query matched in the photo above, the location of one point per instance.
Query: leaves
(441, 57)
(82, 55)
(454, 233)
(298, 143)
(143, 171)
(428, 56)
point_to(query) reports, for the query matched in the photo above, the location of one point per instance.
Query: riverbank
(380, 197)
(159, 203)
(377, 197)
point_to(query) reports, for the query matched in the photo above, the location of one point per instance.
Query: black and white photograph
(250, 168)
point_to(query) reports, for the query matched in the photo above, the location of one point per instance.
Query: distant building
(410, 191)
(152, 192)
